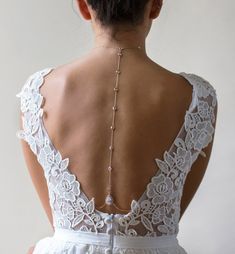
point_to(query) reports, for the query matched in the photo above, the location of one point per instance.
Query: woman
(116, 144)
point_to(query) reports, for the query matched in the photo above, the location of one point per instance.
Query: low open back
(156, 212)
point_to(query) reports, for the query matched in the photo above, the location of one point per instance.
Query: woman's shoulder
(203, 86)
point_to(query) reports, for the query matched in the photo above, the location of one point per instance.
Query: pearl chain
(109, 200)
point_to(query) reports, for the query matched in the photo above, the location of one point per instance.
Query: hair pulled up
(112, 12)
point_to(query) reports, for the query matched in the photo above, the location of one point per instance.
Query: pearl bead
(110, 147)
(115, 89)
(118, 71)
(112, 127)
(109, 199)
(109, 168)
(120, 54)
(114, 108)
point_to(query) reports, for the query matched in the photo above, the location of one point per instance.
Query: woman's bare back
(151, 103)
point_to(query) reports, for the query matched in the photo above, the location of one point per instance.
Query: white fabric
(73, 242)
(156, 213)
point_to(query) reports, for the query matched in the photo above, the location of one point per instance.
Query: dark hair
(111, 12)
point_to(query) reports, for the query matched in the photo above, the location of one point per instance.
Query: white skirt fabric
(66, 241)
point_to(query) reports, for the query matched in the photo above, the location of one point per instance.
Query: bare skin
(151, 102)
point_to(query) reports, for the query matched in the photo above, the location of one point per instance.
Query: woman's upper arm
(196, 174)
(198, 169)
(37, 175)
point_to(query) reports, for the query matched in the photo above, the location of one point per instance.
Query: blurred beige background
(191, 36)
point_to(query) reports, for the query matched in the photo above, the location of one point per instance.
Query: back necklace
(109, 200)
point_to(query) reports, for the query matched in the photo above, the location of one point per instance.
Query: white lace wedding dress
(152, 224)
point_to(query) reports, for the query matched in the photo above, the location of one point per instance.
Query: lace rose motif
(199, 133)
(160, 189)
(67, 187)
(203, 109)
(202, 135)
(30, 99)
(51, 162)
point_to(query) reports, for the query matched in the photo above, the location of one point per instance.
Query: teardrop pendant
(109, 200)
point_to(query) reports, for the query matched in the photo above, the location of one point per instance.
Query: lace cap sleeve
(200, 122)
(31, 111)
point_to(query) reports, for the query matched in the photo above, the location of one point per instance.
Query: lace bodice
(157, 212)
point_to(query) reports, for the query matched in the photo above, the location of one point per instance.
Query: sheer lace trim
(157, 211)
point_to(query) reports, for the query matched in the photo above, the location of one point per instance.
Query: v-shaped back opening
(158, 171)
